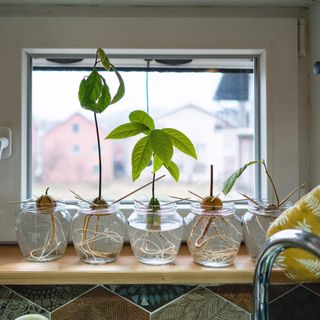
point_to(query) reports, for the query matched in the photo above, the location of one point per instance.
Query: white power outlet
(7, 152)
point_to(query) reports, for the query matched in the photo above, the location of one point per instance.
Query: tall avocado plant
(157, 145)
(94, 95)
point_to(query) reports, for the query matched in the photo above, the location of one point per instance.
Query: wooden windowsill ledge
(126, 270)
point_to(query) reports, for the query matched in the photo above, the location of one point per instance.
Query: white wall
(315, 96)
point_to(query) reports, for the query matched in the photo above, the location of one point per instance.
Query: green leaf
(141, 156)
(126, 130)
(181, 141)
(161, 145)
(157, 163)
(121, 89)
(103, 58)
(228, 184)
(104, 99)
(173, 170)
(90, 90)
(140, 116)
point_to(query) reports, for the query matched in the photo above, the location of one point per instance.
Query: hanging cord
(147, 84)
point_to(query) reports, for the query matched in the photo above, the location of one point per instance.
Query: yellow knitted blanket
(298, 264)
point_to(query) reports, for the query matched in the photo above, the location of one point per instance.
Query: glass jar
(213, 236)
(155, 234)
(98, 234)
(256, 222)
(43, 233)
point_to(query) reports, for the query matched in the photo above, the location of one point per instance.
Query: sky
(55, 93)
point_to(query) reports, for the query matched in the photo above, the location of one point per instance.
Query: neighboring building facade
(70, 152)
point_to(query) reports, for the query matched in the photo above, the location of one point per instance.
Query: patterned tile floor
(156, 302)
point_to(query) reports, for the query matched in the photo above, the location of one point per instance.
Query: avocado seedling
(266, 208)
(45, 204)
(208, 242)
(153, 244)
(157, 147)
(94, 95)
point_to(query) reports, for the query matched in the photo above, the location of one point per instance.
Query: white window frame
(273, 40)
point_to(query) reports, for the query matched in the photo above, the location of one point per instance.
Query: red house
(70, 152)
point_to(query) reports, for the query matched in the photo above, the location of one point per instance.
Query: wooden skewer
(196, 195)
(80, 198)
(182, 199)
(140, 203)
(291, 193)
(256, 203)
(129, 194)
(174, 197)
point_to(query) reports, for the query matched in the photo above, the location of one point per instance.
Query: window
(210, 99)
(76, 128)
(75, 149)
(282, 78)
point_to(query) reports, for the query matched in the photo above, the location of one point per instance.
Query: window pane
(214, 107)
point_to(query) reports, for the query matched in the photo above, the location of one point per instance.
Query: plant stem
(99, 152)
(211, 180)
(153, 184)
(96, 61)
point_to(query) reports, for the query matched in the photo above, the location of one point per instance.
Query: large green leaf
(140, 116)
(104, 99)
(181, 141)
(141, 156)
(161, 145)
(126, 130)
(103, 58)
(157, 163)
(90, 90)
(121, 89)
(173, 170)
(228, 184)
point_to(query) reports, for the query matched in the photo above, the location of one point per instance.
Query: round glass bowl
(213, 236)
(43, 233)
(155, 234)
(98, 234)
(256, 222)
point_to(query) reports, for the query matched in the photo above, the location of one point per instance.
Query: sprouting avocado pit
(45, 202)
(211, 203)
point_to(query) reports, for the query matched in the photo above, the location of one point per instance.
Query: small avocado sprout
(157, 146)
(229, 183)
(211, 202)
(45, 202)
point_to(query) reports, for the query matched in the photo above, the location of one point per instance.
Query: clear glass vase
(98, 234)
(256, 222)
(155, 234)
(213, 236)
(43, 233)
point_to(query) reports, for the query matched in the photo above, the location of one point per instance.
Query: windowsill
(126, 270)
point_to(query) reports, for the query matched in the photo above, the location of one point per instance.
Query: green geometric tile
(51, 297)
(13, 306)
(150, 297)
(241, 295)
(201, 304)
(100, 304)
